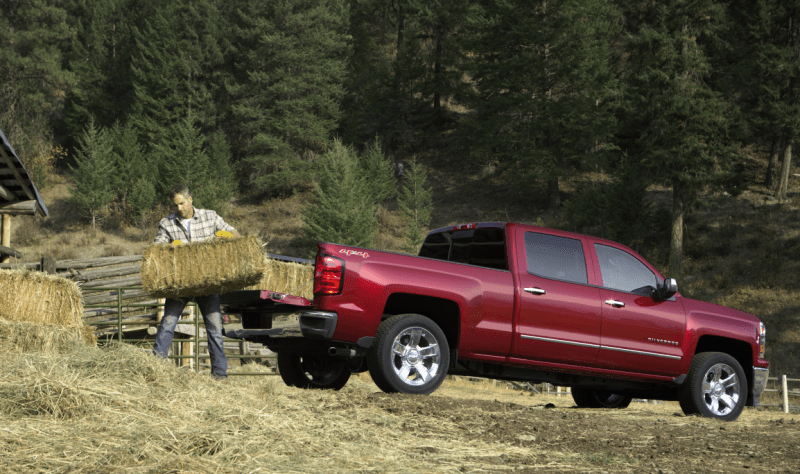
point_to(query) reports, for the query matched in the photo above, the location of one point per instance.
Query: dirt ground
(556, 435)
(79, 408)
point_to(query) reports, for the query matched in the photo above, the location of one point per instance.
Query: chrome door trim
(632, 351)
(560, 341)
(611, 348)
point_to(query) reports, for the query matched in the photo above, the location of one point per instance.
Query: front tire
(715, 387)
(410, 354)
(591, 398)
(313, 371)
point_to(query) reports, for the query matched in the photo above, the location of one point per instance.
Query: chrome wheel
(415, 356)
(715, 387)
(410, 354)
(721, 389)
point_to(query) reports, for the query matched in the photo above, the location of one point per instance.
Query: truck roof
(547, 230)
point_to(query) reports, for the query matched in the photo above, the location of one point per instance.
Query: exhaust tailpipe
(341, 352)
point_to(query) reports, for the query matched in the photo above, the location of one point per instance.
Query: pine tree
(290, 59)
(182, 159)
(681, 125)
(341, 211)
(545, 89)
(415, 206)
(185, 157)
(175, 56)
(33, 35)
(142, 196)
(100, 57)
(403, 70)
(93, 189)
(130, 164)
(378, 172)
(765, 47)
(222, 174)
(368, 72)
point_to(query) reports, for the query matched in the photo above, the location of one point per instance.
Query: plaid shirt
(205, 223)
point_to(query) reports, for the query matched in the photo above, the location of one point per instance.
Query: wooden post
(558, 392)
(785, 390)
(5, 235)
(188, 348)
(48, 265)
(244, 349)
(160, 311)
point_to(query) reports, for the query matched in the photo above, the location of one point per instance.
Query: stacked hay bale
(202, 268)
(287, 277)
(51, 302)
(25, 336)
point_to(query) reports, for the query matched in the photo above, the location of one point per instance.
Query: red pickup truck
(510, 302)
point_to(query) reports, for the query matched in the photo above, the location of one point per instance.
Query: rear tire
(715, 387)
(409, 355)
(313, 371)
(591, 398)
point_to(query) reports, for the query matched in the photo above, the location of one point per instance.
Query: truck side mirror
(667, 290)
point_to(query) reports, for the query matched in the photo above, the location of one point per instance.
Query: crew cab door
(640, 333)
(559, 313)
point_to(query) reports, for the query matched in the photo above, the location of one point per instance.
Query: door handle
(535, 291)
(615, 303)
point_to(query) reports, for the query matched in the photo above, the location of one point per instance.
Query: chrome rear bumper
(310, 324)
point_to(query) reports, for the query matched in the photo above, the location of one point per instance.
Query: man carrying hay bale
(189, 224)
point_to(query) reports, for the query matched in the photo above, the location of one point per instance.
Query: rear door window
(622, 271)
(555, 257)
(484, 247)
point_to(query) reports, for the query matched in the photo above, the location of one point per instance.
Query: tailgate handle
(615, 303)
(535, 291)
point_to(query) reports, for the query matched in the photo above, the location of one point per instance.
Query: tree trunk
(769, 180)
(437, 74)
(401, 25)
(676, 241)
(783, 179)
(553, 194)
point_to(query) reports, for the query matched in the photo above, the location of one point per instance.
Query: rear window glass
(558, 258)
(484, 247)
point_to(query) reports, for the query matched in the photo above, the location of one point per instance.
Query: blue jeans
(209, 307)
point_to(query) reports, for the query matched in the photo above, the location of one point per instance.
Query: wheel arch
(445, 313)
(739, 350)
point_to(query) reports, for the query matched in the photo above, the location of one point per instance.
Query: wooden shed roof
(18, 195)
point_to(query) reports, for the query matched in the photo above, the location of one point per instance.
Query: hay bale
(25, 336)
(40, 298)
(287, 277)
(202, 268)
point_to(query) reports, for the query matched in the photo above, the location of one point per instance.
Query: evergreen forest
(298, 96)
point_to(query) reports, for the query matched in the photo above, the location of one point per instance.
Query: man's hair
(180, 188)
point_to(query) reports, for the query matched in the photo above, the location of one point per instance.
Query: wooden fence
(117, 306)
(785, 391)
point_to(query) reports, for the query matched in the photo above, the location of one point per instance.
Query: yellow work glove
(176, 242)
(224, 234)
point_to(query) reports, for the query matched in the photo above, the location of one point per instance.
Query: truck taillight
(328, 275)
(762, 336)
(464, 226)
